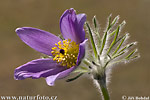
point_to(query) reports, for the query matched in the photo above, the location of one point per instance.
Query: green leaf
(134, 57)
(87, 62)
(111, 34)
(107, 29)
(121, 25)
(84, 68)
(118, 61)
(122, 60)
(118, 47)
(130, 45)
(96, 31)
(103, 42)
(92, 40)
(109, 22)
(105, 35)
(127, 46)
(117, 55)
(115, 20)
(112, 44)
(72, 79)
(129, 55)
(81, 69)
(95, 22)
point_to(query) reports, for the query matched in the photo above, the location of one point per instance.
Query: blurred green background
(132, 79)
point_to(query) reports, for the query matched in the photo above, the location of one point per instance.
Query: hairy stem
(101, 80)
(104, 90)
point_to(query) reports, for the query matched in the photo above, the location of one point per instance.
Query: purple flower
(66, 54)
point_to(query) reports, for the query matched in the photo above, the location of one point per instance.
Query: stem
(101, 79)
(103, 89)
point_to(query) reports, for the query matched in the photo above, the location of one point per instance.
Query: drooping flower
(66, 54)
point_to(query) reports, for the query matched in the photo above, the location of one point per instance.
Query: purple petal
(71, 26)
(38, 68)
(81, 18)
(37, 39)
(51, 79)
(81, 53)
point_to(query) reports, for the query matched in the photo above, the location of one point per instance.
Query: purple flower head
(67, 54)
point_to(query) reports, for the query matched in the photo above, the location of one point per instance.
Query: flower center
(65, 53)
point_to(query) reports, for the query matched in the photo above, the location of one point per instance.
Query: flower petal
(71, 26)
(81, 18)
(81, 53)
(51, 79)
(38, 68)
(37, 39)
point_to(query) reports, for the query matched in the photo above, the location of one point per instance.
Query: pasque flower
(64, 55)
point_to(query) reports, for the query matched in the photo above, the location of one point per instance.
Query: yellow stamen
(65, 53)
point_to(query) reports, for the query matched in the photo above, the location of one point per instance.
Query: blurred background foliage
(131, 79)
